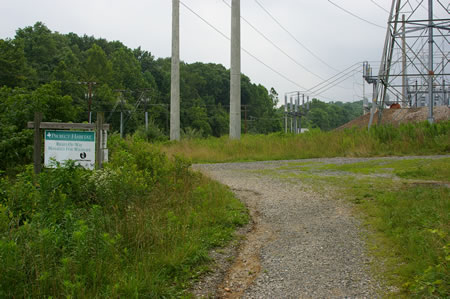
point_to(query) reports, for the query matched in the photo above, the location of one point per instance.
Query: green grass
(429, 169)
(142, 227)
(408, 139)
(409, 220)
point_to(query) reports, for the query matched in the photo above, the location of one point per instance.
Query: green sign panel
(70, 136)
(78, 146)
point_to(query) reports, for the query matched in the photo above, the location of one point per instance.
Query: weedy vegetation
(405, 203)
(143, 225)
(140, 227)
(407, 139)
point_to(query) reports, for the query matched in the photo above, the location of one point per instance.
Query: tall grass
(141, 227)
(407, 139)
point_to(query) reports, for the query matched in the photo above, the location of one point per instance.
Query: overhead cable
(336, 82)
(332, 77)
(356, 16)
(379, 6)
(276, 46)
(243, 49)
(293, 37)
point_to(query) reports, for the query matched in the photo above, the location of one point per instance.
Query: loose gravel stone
(301, 244)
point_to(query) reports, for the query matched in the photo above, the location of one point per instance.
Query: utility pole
(430, 62)
(300, 114)
(296, 106)
(235, 71)
(285, 114)
(245, 118)
(291, 110)
(146, 113)
(417, 90)
(175, 73)
(90, 101)
(404, 79)
(364, 97)
(89, 95)
(121, 115)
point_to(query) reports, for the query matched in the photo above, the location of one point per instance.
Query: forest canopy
(50, 72)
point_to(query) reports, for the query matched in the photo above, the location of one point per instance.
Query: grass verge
(141, 227)
(406, 206)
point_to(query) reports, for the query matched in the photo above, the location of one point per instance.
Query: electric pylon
(415, 67)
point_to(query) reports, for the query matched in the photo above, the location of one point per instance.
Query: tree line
(47, 71)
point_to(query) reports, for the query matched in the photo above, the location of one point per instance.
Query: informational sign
(78, 146)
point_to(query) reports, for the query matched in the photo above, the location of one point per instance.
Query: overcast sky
(335, 37)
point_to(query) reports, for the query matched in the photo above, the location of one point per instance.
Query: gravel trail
(301, 244)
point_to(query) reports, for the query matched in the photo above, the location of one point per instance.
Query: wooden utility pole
(89, 95)
(37, 150)
(99, 140)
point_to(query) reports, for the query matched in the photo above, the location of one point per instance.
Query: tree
(97, 68)
(219, 121)
(13, 64)
(318, 118)
(126, 70)
(40, 48)
(17, 107)
(196, 117)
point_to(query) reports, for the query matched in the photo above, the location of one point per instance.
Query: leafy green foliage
(17, 107)
(140, 227)
(13, 64)
(153, 133)
(37, 56)
(328, 116)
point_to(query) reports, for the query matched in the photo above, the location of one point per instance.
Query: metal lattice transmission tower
(414, 70)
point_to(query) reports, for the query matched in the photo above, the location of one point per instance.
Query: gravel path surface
(301, 244)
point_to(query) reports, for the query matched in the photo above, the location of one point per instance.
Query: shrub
(142, 226)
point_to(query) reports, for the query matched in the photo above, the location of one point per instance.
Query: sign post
(37, 150)
(86, 148)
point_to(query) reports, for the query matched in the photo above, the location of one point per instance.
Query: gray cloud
(336, 37)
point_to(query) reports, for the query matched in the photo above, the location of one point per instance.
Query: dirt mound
(400, 116)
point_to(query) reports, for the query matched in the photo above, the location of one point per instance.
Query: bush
(142, 226)
(152, 134)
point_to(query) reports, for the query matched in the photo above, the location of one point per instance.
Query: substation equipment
(414, 69)
(294, 110)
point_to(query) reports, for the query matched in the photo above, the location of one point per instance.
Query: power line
(269, 67)
(332, 77)
(243, 49)
(356, 16)
(276, 46)
(293, 37)
(338, 81)
(379, 6)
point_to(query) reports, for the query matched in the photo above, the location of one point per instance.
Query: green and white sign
(78, 146)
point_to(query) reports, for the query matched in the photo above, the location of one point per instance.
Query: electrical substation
(414, 69)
